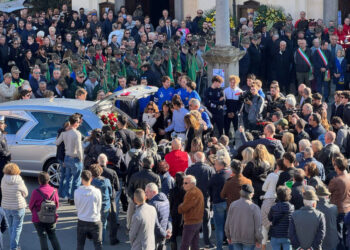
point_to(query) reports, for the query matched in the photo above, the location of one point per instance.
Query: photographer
(253, 105)
(233, 103)
(275, 100)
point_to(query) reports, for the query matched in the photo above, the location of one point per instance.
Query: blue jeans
(277, 243)
(117, 198)
(62, 178)
(239, 246)
(15, 219)
(72, 177)
(219, 217)
(104, 216)
(322, 84)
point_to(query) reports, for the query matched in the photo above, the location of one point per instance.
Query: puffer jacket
(14, 192)
(161, 204)
(280, 216)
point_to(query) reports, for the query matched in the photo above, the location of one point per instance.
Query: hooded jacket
(14, 192)
(163, 223)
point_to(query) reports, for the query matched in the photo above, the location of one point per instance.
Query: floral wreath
(209, 16)
(268, 15)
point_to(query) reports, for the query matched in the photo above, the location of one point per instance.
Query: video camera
(291, 112)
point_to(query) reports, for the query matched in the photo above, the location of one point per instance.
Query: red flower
(111, 122)
(105, 121)
(114, 128)
(115, 119)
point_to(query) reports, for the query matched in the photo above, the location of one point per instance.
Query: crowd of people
(282, 176)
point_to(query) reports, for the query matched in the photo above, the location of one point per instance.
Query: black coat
(326, 155)
(141, 179)
(297, 195)
(244, 65)
(255, 60)
(281, 66)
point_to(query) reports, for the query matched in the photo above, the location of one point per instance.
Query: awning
(12, 5)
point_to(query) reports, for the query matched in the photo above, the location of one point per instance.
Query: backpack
(347, 145)
(47, 213)
(134, 165)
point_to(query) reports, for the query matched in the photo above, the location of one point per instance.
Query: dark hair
(281, 165)
(217, 79)
(340, 163)
(109, 137)
(300, 124)
(236, 166)
(123, 119)
(251, 76)
(191, 85)
(346, 94)
(316, 117)
(284, 193)
(137, 143)
(148, 162)
(289, 156)
(299, 175)
(312, 169)
(165, 78)
(335, 120)
(176, 101)
(96, 170)
(73, 119)
(43, 178)
(86, 175)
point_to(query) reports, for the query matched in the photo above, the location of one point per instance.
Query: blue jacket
(206, 119)
(106, 191)
(319, 166)
(316, 131)
(163, 223)
(168, 183)
(163, 95)
(216, 184)
(184, 95)
(194, 95)
(280, 216)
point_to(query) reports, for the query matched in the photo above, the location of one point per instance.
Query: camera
(246, 96)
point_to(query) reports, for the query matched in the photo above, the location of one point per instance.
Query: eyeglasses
(200, 13)
(185, 183)
(127, 33)
(36, 73)
(27, 95)
(148, 28)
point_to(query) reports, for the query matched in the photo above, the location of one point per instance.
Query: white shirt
(88, 202)
(231, 94)
(270, 185)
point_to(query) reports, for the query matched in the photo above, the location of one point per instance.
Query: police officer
(215, 100)
(16, 80)
(5, 155)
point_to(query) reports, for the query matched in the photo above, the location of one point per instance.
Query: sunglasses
(200, 13)
(27, 95)
(185, 183)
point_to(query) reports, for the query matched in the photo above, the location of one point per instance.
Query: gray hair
(303, 144)
(191, 178)
(195, 102)
(199, 157)
(308, 203)
(102, 160)
(152, 187)
(246, 195)
(308, 152)
(290, 100)
(174, 21)
(283, 42)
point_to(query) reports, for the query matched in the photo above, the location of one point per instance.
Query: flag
(84, 70)
(170, 70)
(123, 70)
(109, 77)
(70, 67)
(192, 68)
(48, 76)
(178, 64)
(206, 47)
(139, 61)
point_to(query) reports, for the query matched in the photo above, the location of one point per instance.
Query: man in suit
(255, 56)
(245, 61)
(323, 64)
(281, 67)
(168, 29)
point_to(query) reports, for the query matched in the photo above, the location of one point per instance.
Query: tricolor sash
(307, 61)
(327, 76)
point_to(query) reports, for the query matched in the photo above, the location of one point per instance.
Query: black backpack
(135, 165)
(47, 213)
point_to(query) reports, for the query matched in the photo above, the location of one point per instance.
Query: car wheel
(52, 167)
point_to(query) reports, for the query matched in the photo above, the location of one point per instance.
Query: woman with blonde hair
(288, 142)
(13, 201)
(247, 155)
(324, 120)
(192, 130)
(258, 169)
(150, 114)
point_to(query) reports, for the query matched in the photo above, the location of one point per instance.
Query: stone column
(330, 11)
(222, 23)
(223, 56)
(118, 4)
